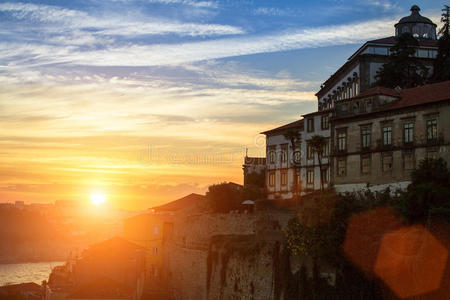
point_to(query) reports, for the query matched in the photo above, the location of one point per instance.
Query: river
(26, 272)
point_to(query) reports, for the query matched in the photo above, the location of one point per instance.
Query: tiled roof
(424, 94)
(317, 113)
(181, 203)
(295, 124)
(115, 245)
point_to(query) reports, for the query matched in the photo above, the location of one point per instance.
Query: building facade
(283, 160)
(358, 73)
(380, 136)
(316, 124)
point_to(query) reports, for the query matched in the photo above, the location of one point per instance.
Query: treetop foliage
(403, 69)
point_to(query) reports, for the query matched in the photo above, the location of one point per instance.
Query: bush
(428, 194)
(223, 197)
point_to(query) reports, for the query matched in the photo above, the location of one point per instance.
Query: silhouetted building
(358, 73)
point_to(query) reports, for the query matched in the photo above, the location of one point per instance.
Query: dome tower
(420, 27)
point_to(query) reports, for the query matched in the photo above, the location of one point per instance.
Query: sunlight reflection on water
(26, 272)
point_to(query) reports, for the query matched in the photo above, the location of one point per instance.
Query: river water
(26, 272)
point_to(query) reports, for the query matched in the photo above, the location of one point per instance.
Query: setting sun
(98, 198)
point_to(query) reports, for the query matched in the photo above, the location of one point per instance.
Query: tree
(428, 194)
(317, 143)
(441, 70)
(223, 197)
(403, 69)
(295, 138)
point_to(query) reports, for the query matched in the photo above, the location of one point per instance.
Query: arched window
(356, 87)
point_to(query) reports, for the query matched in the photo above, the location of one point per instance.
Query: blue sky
(85, 85)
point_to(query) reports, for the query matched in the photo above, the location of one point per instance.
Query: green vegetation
(320, 229)
(403, 69)
(428, 195)
(223, 197)
(441, 70)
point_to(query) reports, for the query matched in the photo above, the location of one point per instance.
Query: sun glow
(98, 198)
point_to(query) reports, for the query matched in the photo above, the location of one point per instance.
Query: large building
(380, 136)
(292, 167)
(358, 73)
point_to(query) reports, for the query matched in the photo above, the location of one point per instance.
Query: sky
(149, 100)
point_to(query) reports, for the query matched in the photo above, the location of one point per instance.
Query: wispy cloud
(384, 4)
(167, 54)
(275, 11)
(203, 4)
(125, 25)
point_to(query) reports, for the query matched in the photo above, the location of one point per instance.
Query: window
(326, 148)
(325, 175)
(387, 135)
(272, 156)
(341, 167)
(368, 105)
(284, 153)
(408, 133)
(365, 137)
(309, 152)
(356, 107)
(156, 230)
(310, 176)
(408, 159)
(431, 129)
(272, 179)
(344, 109)
(310, 125)
(324, 122)
(365, 164)
(387, 162)
(283, 178)
(342, 140)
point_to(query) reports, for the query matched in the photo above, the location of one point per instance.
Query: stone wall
(224, 256)
(241, 267)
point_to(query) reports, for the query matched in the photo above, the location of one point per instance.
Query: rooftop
(295, 124)
(181, 203)
(115, 245)
(415, 17)
(424, 94)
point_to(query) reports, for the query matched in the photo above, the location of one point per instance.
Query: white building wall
(314, 163)
(279, 190)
